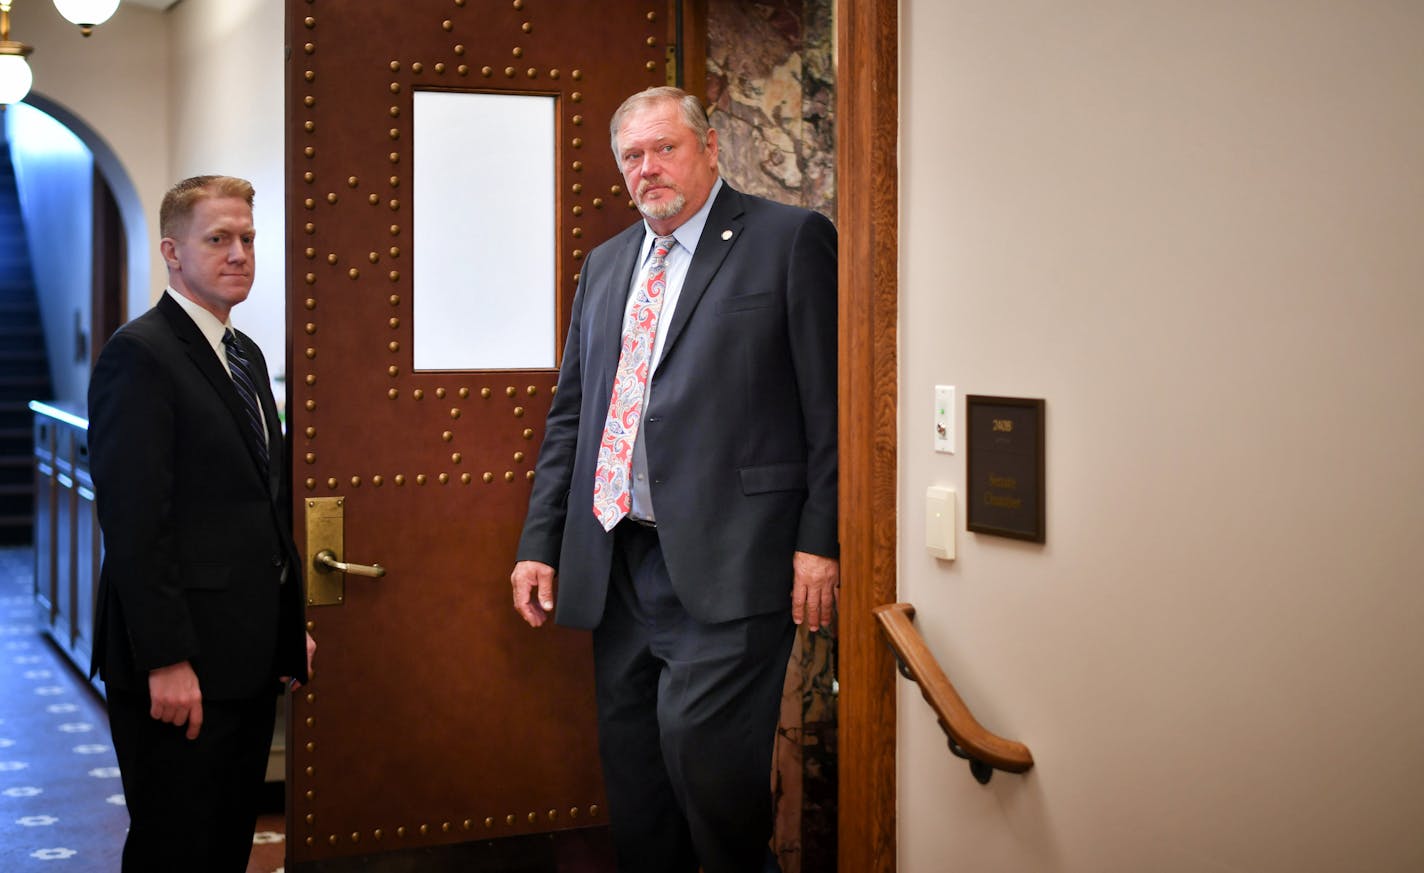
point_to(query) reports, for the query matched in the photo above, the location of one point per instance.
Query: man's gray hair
(692, 113)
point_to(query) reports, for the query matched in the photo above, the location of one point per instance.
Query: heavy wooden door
(436, 717)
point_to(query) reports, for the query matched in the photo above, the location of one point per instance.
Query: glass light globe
(88, 14)
(15, 78)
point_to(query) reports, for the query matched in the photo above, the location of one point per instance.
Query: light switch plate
(944, 419)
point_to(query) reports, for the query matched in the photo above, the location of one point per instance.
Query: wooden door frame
(867, 145)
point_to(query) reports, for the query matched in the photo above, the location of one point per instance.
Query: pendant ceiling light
(88, 14)
(15, 75)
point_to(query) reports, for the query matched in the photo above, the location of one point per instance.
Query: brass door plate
(326, 529)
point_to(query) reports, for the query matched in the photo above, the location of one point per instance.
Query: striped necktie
(246, 385)
(612, 493)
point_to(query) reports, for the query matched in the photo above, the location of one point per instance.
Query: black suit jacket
(196, 536)
(741, 424)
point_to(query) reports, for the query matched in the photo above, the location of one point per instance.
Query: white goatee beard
(664, 209)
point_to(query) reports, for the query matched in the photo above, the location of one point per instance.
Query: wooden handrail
(967, 738)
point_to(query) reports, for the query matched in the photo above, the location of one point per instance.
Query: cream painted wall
(116, 83)
(227, 106)
(1195, 229)
(196, 89)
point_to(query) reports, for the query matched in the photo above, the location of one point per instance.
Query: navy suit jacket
(196, 536)
(741, 425)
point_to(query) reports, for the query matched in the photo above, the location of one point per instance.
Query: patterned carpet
(61, 802)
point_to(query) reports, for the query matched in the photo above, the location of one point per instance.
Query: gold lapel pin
(726, 234)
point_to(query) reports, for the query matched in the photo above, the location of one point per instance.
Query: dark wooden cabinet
(68, 547)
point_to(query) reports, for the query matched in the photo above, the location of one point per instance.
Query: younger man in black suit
(199, 620)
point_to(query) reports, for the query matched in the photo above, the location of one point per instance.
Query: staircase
(24, 367)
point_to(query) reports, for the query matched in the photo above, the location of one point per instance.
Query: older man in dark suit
(199, 620)
(686, 489)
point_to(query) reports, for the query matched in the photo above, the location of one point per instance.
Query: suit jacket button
(276, 560)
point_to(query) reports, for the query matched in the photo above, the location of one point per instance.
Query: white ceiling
(152, 4)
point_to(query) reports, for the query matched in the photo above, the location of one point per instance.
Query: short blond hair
(178, 203)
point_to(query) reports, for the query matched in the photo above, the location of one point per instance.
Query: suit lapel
(202, 356)
(712, 249)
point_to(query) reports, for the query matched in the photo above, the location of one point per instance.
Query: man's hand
(175, 697)
(533, 584)
(311, 651)
(816, 589)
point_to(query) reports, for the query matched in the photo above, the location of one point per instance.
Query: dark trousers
(687, 717)
(192, 804)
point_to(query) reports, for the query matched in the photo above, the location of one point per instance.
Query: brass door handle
(325, 561)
